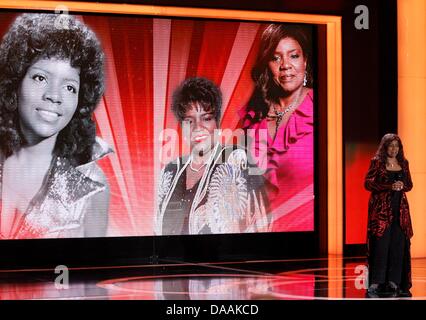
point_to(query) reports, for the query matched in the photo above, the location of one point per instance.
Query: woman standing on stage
(389, 222)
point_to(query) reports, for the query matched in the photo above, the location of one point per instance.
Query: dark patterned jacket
(379, 207)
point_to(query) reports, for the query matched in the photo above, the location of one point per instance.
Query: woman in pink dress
(278, 121)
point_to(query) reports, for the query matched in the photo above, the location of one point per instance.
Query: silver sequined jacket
(72, 202)
(228, 199)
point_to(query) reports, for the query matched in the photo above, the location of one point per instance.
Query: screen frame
(333, 27)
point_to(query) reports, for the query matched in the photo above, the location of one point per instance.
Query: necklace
(391, 164)
(196, 170)
(279, 115)
(205, 163)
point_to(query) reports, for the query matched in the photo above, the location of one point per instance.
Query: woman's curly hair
(266, 90)
(382, 150)
(37, 36)
(197, 90)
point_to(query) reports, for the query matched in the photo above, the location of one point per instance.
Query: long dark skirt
(389, 257)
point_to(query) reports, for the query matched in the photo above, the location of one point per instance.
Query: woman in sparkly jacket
(389, 222)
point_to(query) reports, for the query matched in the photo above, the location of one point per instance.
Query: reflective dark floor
(320, 279)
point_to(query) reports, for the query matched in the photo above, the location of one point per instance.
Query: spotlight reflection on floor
(313, 279)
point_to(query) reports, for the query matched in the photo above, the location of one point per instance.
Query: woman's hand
(397, 186)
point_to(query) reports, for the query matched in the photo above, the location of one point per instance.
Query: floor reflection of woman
(211, 190)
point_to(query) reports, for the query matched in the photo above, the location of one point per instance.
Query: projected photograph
(139, 126)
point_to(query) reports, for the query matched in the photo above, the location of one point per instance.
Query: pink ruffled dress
(289, 165)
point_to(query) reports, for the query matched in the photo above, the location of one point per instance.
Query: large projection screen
(148, 54)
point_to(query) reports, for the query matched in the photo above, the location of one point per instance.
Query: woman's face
(47, 98)
(288, 65)
(393, 149)
(201, 126)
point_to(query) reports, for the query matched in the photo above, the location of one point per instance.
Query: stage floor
(304, 279)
